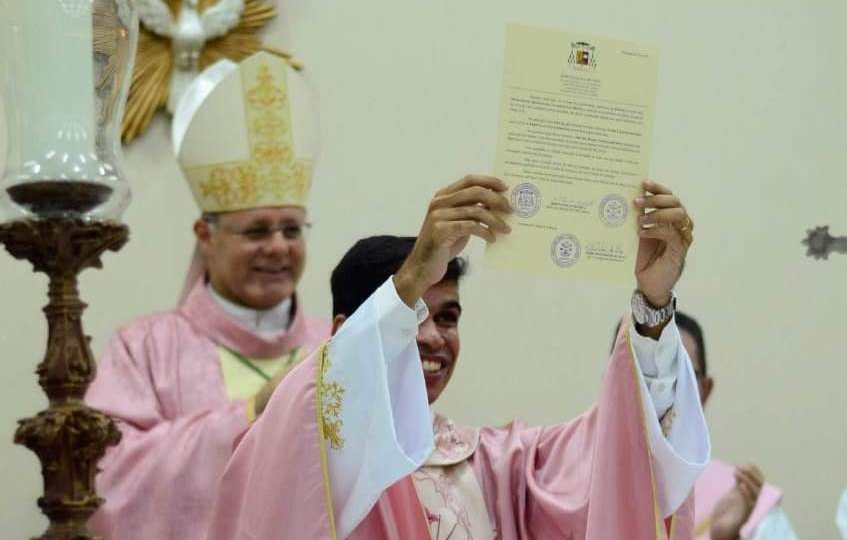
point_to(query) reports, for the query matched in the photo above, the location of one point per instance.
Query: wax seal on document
(613, 209)
(526, 199)
(565, 250)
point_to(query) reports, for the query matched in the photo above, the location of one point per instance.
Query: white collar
(264, 322)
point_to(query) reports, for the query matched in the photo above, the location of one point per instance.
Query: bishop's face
(255, 257)
(438, 336)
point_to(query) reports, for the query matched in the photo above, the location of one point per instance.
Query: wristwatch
(645, 314)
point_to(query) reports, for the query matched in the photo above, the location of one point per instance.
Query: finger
(672, 216)
(473, 195)
(472, 213)
(656, 188)
(681, 240)
(747, 494)
(657, 201)
(755, 472)
(488, 182)
(451, 231)
(746, 486)
(751, 478)
(749, 491)
(745, 479)
(665, 232)
(746, 474)
(659, 233)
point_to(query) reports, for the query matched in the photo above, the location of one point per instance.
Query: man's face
(704, 382)
(438, 336)
(249, 262)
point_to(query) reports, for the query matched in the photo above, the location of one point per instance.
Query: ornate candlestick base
(69, 437)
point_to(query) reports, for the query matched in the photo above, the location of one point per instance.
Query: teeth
(431, 367)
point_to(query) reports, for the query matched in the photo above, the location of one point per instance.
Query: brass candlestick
(69, 437)
(62, 192)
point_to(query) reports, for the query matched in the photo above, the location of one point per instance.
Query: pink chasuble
(588, 479)
(714, 483)
(160, 378)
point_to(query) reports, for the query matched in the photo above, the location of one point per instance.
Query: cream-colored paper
(574, 145)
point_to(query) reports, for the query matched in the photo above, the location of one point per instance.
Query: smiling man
(184, 384)
(363, 269)
(438, 336)
(345, 449)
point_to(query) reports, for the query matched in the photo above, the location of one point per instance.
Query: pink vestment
(160, 378)
(714, 483)
(591, 478)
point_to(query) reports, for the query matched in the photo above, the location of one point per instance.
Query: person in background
(184, 384)
(730, 502)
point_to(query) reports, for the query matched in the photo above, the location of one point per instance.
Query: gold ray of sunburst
(151, 76)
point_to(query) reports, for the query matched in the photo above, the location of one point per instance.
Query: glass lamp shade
(66, 68)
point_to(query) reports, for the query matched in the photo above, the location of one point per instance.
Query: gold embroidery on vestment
(332, 403)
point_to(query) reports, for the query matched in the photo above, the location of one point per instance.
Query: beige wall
(749, 130)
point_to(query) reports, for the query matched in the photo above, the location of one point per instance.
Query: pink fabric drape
(196, 271)
(590, 478)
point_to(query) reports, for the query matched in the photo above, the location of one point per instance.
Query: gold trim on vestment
(657, 514)
(702, 527)
(323, 365)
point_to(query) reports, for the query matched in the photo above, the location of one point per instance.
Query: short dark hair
(689, 324)
(369, 263)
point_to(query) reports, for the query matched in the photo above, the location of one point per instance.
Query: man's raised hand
(472, 206)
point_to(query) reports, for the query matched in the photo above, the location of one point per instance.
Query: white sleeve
(841, 515)
(668, 385)
(658, 363)
(774, 526)
(375, 409)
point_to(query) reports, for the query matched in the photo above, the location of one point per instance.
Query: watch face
(644, 314)
(638, 308)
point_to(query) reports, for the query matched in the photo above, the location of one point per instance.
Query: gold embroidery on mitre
(272, 153)
(266, 95)
(332, 404)
(269, 124)
(273, 176)
(227, 186)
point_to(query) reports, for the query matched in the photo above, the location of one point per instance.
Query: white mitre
(246, 135)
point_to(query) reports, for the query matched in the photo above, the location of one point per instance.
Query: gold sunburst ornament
(180, 38)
